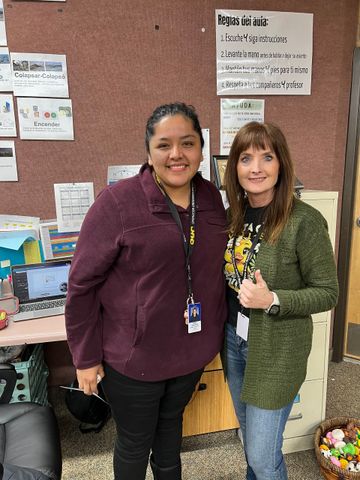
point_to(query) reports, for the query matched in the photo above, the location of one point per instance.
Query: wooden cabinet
(211, 408)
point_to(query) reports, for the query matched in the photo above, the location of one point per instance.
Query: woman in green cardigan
(280, 269)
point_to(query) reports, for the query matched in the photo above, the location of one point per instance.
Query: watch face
(274, 310)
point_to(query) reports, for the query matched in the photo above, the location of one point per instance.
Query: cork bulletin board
(125, 57)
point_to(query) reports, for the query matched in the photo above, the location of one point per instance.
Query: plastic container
(32, 373)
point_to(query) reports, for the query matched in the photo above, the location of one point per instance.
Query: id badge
(194, 317)
(242, 326)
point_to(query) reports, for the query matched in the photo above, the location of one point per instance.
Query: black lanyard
(188, 245)
(250, 253)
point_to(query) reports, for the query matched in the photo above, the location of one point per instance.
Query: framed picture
(56, 244)
(219, 165)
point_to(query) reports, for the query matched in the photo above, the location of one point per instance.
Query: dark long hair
(261, 136)
(171, 109)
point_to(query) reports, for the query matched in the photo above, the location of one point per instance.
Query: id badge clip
(194, 317)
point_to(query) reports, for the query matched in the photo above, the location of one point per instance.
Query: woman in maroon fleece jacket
(150, 250)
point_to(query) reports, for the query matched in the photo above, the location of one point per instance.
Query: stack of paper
(19, 237)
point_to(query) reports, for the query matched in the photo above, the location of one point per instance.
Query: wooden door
(352, 326)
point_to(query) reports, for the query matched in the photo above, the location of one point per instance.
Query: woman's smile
(258, 172)
(175, 154)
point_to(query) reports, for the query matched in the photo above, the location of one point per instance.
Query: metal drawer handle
(299, 416)
(202, 386)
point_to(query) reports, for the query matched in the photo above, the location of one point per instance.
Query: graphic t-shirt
(243, 244)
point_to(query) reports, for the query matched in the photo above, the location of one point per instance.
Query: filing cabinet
(309, 408)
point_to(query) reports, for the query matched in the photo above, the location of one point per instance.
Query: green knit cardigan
(300, 268)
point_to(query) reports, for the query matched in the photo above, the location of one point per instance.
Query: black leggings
(148, 416)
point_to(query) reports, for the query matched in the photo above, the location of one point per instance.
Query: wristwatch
(274, 308)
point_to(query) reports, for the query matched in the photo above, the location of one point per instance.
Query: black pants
(148, 416)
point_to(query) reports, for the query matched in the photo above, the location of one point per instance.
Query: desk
(39, 330)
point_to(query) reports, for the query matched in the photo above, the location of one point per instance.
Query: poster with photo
(8, 168)
(7, 116)
(3, 39)
(45, 119)
(5, 70)
(39, 75)
(263, 52)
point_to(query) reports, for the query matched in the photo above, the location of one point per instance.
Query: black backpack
(92, 412)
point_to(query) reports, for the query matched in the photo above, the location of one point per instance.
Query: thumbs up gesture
(255, 294)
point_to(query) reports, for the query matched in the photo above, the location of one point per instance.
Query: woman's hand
(88, 378)
(255, 294)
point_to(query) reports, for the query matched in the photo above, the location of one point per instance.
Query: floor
(216, 456)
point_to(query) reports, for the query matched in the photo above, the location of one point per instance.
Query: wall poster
(263, 53)
(234, 114)
(39, 75)
(45, 119)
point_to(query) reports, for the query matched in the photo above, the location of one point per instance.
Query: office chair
(29, 436)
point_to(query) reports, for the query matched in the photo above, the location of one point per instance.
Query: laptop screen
(40, 281)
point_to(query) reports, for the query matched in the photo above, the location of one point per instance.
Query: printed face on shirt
(258, 172)
(175, 152)
(242, 246)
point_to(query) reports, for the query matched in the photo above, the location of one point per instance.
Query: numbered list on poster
(263, 53)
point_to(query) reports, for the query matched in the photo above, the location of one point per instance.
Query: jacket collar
(156, 200)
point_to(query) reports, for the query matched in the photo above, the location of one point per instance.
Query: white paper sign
(39, 75)
(119, 172)
(263, 53)
(45, 119)
(204, 168)
(5, 70)
(234, 114)
(72, 201)
(3, 40)
(7, 116)
(8, 168)
(18, 222)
